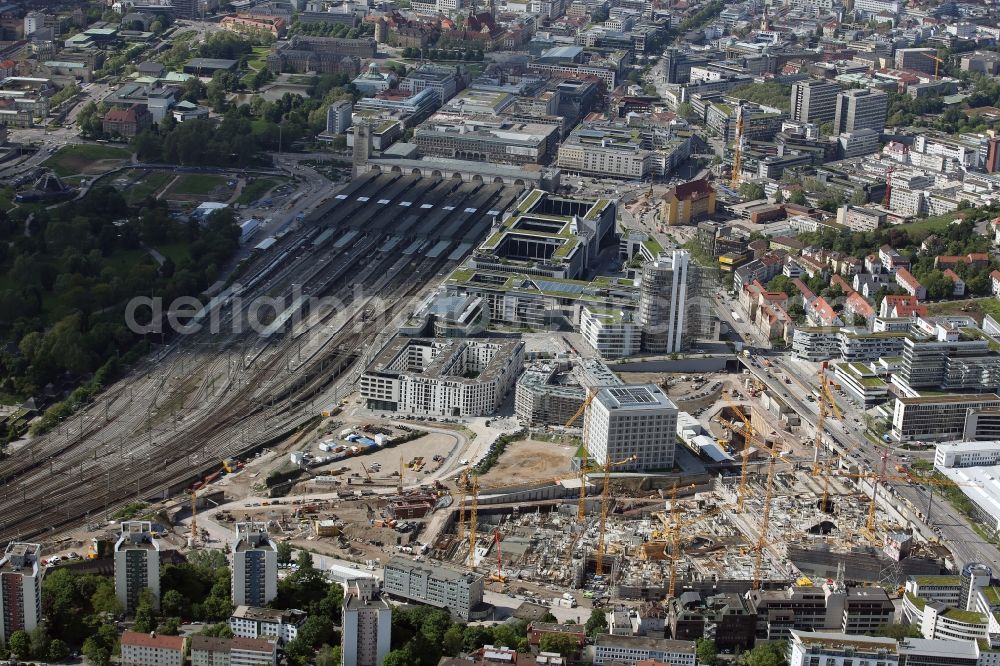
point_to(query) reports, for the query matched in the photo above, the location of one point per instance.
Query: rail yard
(205, 397)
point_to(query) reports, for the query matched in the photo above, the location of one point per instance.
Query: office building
(955, 361)
(444, 377)
(917, 60)
(936, 417)
(967, 454)
(810, 648)
(853, 610)
(20, 589)
(493, 141)
(727, 617)
(141, 649)
(461, 593)
(814, 101)
(550, 392)
(981, 486)
(338, 117)
(253, 622)
(628, 421)
(367, 624)
(612, 333)
(663, 303)
(137, 564)
(631, 650)
(860, 109)
(688, 202)
(441, 80)
(255, 566)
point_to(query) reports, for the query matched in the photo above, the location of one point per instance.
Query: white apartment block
(632, 649)
(140, 649)
(444, 377)
(255, 566)
(876, 6)
(435, 585)
(137, 564)
(632, 420)
(250, 622)
(367, 624)
(612, 333)
(20, 589)
(816, 343)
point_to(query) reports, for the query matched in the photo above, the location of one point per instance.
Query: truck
(736, 316)
(566, 603)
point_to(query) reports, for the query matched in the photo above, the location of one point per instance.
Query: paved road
(848, 440)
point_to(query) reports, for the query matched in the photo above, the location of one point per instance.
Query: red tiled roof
(952, 275)
(904, 276)
(857, 304)
(995, 275)
(692, 188)
(137, 639)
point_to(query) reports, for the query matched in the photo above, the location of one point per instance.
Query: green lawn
(258, 60)
(933, 225)
(197, 184)
(973, 307)
(152, 183)
(86, 158)
(178, 252)
(257, 189)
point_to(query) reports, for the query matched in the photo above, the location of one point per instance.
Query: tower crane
(582, 507)
(605, 504)
(499, 577)
(937, 63)
(748, 434)
(887, 199)
(758, 548)
(399, 484)
(463, 484)
(825, 401)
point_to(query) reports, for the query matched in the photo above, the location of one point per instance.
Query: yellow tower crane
(605, 504)
(937, 63)
(748, 434)
(581, 511)
(765, 517)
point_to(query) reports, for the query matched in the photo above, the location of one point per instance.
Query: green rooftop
(964, 616)
(916, 601)
(992, 595)
(945, 581)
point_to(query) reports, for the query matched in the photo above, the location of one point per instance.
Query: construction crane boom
(937, 64)
(605, 504)
(758, 560)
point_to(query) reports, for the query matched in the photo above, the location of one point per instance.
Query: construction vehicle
(368, 476)
(229, 465)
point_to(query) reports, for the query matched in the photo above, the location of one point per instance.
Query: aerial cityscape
(524, 332)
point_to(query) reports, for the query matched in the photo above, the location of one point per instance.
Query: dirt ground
(530, 460)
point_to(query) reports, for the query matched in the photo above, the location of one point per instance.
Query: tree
(19, 644)
(770, 653)
(564, 644)
(219, 630)
(707, 652)
(329, 656)
(58, 650)
(597, 622)
(752, 191)
(451, 644)
(174, 603)
(304, 560)
(170, 626)
(401, 657)
(781, 283)
(798, 198)
(284, 552)
(298, 652)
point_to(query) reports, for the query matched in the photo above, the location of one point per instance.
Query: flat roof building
(435, 585)
(627, 421)
(255, 566)
(20, 589)
(453, 377)
(137, 564)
